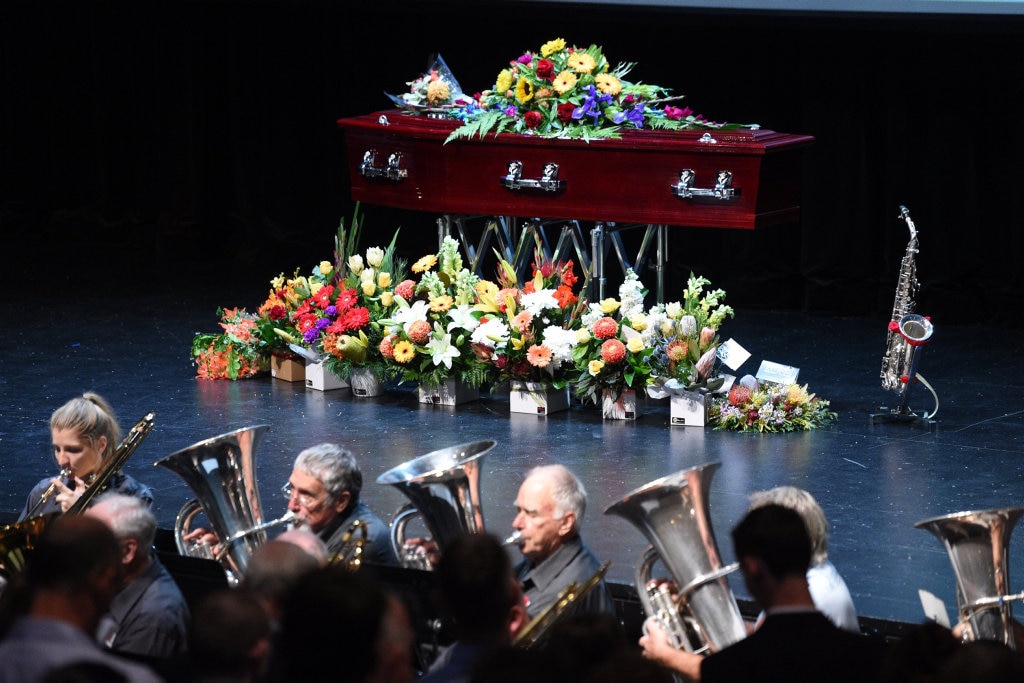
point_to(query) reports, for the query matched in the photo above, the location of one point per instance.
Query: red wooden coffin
(721, 179)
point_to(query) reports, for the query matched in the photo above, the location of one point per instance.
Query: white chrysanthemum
(538, 302)
(592, 315)
(561, 342)
(494, 333)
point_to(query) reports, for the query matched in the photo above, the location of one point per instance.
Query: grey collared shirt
(572, 562)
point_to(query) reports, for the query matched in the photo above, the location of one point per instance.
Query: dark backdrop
(170, 144)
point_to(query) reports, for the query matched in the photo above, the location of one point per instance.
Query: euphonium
(672, 512)
(221, 473)
(977, 543)
(444, 487)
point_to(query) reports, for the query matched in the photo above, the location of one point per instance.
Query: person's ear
(341, 502)
(129, 550)
(567, 523)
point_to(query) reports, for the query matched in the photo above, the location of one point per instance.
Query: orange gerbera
(404, 352)
(539, 356)
(608, 84)
(440, 304)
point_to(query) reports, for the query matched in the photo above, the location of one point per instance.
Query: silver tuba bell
(672, 512)
(977, 543)
(444, 489)
(221, 473)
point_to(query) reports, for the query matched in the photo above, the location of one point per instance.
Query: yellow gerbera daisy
(504, 81)
(425, 264)
(581, 62)
(564, 82)
(552, 46)
(608, 84)
(486, 287)
(524, 90)
(403, 351)
(441, 303)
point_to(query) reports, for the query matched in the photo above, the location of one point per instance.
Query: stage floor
(874, 481)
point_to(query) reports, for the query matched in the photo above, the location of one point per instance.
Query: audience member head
(325, 481)
(477, 587)
(273, 569)
(550, 508)
(981, 661)
(132, 522)
(776, 536)
(230, 637)
(805, 504)
(332, 606)
(915, 657)
(583, 642)
(307, 541)
(74, 571)
(85, 434)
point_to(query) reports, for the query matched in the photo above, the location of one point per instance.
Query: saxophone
(908, 331)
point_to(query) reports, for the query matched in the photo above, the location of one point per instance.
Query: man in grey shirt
(549, 510)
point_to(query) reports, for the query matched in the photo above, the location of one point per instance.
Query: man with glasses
(323, 490)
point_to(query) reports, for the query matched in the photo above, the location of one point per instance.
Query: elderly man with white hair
(148, 618)
(549, 510)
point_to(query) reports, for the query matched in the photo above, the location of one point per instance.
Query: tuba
(221, 473)
(977, 543)
(699, 611)
(444, 489)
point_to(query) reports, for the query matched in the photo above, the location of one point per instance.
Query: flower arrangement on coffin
(427, 338)
(527, 330)
(570, 92)
(236, 353)
(753, 407)
(612, 355)
(685, 339)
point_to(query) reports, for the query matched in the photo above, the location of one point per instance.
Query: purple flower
(331, 310)
(510, 110)
(634, 116)
(526, 58)
(590, 106)
(311, 334)
(323, 324)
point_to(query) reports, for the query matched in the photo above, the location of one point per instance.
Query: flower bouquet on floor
(563, 91)
(755, 407)
(612, 357)
(427, 338)
(685, 339)
(275, 315)
(239, 351)
(339, 321)
(528, 334)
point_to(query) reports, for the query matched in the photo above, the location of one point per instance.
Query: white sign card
(732, 354)
(777, 373)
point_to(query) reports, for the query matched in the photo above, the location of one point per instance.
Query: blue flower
(591, 105)
(634, 116)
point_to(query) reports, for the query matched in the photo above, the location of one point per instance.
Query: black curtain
(168, 143)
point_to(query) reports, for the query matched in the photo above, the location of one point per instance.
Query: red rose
(532, 119)
(545, 69)
(565, 111)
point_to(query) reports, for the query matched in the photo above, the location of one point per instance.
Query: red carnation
(277, 312)
(532, 119)
(613, 351)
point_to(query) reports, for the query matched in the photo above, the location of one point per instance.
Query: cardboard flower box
(287, 369)
(536, 398)
(451, 393)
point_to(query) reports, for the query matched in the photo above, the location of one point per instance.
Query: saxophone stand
(903, 413)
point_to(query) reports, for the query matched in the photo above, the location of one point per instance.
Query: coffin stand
(523, 185)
